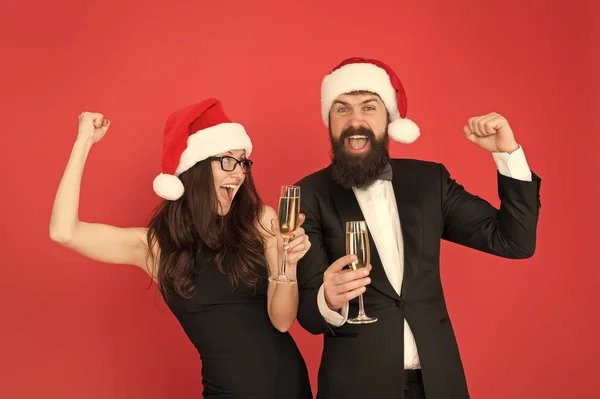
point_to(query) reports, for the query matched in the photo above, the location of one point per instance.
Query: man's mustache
(360, 131)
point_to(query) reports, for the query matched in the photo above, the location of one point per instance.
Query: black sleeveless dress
(243, 356)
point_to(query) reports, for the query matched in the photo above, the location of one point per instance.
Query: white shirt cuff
(332, 317)
(513, 165)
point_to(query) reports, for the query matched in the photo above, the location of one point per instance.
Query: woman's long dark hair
(180, 227)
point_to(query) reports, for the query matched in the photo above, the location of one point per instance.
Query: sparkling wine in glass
(357, 243)
(288, 213)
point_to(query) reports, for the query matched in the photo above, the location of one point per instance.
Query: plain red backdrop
(74, 328)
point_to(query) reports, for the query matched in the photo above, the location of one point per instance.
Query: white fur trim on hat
(200, 146)
(404, 131)
(211, 141)
(356, 77)
(168, 187)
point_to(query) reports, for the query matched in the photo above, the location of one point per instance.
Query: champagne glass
(289, 211)
(357, 243)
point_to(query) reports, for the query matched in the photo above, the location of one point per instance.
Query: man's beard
(358, 170)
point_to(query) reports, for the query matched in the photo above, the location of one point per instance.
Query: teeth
(229, 186)
(358, 137)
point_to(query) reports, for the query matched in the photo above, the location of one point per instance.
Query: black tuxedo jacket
(367, 361)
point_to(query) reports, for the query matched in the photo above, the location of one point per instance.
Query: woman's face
(228, 176)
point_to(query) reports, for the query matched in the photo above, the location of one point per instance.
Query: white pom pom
(168, 187)
(403, 130)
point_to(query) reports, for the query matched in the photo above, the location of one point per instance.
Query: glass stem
(284, 260)
(361, 306)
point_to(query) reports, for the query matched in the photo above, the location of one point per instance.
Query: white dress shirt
(380, 210)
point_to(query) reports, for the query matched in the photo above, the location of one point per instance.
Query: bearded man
(409, 206)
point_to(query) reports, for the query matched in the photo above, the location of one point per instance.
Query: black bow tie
(385, 173)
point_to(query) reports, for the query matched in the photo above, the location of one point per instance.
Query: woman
(209, 249)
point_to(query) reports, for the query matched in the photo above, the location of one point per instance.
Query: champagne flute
(288, 213)
(357, 243)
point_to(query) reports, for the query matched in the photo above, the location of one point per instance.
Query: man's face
(359, 142)
(354, 111)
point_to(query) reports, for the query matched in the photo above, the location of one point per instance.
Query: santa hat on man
(361, 74)
(193, 134)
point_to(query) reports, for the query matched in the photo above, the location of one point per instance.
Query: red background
(74, 328)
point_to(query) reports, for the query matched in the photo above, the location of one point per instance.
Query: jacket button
(399, 303)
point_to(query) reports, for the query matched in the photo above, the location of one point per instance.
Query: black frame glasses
(246, 164)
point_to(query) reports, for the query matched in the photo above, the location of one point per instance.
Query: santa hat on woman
(193, 134)
(361, 74)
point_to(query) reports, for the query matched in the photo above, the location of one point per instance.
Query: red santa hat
(361, 74)
(191, 135)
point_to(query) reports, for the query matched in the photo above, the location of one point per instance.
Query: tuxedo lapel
(348, 209)
(409, 212)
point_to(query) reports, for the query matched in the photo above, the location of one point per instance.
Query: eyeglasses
(228, 164)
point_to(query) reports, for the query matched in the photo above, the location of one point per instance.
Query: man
(409, 207)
